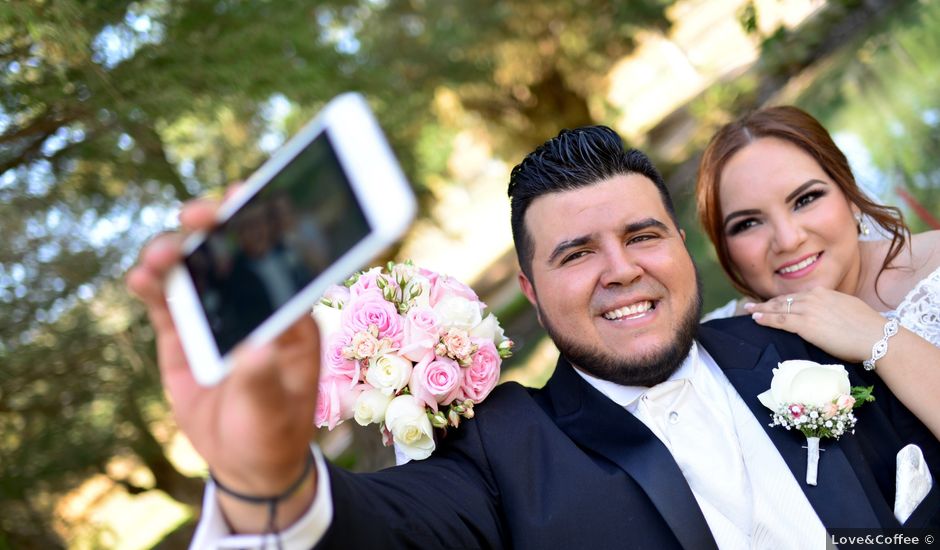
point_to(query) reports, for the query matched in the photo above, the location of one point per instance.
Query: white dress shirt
(213, 531)
(766, 509)
(745, 490)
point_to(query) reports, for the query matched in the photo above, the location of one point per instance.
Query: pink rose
(457, 344)
(366, 283)
(442, 285)
(362, 346)
(796, 411)
(372, 310)
(335, 364)
(845, 402)
(481, 376)
(421, 333)
(436, 381)
(336, 402)
(830, 410)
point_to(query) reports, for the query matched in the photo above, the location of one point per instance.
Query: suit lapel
(839, 499)
(597, 423)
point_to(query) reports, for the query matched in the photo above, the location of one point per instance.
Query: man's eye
(573, 256)
(641, 238)
(742, 225)
(807, 198)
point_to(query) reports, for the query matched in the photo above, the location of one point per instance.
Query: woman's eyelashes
(741, 225)
(807, 198)
(802, 201)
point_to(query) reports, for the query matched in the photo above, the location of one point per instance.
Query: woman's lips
(799, 268)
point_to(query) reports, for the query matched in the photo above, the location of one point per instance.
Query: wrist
(245, 472)
(267, 511)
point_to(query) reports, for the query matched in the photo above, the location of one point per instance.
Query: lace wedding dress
(919, 312)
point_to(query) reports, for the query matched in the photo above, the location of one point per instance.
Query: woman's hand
(847, 327)
(839, 324)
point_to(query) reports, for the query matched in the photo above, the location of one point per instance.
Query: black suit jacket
(565, 467)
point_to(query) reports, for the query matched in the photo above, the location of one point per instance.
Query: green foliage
(527, 68)
(747, 16)
(862, 395)
(883, 90)
(112, 112)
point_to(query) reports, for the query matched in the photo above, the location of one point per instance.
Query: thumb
(299, 350)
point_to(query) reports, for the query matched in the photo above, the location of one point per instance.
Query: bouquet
(407, 349)
(816, 400)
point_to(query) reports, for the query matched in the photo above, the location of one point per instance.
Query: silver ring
(789, 303)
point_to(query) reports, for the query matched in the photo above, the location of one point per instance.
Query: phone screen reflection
(276, 244)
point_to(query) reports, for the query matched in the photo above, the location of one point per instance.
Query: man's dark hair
(573, 159)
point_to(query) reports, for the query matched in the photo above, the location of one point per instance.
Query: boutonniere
(815, 399)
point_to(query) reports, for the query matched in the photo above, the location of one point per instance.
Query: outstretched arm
(846, 327)
(254, 428)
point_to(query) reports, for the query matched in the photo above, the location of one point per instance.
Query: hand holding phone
(324, 205)
(253, 431)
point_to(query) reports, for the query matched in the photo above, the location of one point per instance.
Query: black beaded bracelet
(272, 501)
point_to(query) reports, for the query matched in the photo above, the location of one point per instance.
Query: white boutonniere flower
(815, 399)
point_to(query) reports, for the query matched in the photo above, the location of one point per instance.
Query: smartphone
(324, 205)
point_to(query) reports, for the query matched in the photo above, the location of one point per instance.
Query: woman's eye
(742, 225)
(807, 198)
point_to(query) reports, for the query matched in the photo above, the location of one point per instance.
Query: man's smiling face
(612, 280)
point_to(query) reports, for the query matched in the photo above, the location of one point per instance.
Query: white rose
(489, 329)
(370, 407)
(389, 372)
(457, 312)
(807, 383)
(411, 428)
(328, 319)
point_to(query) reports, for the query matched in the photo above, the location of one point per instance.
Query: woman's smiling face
(787, 225)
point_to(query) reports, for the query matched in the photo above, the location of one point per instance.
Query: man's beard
(647, 370)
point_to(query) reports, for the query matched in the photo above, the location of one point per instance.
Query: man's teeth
(631, 310)
(796, 267)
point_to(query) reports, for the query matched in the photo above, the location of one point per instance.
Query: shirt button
(673, 417)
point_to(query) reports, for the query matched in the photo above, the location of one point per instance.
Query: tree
(526, 68)
(112, 112)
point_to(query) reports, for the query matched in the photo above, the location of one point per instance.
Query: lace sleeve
(920, 310)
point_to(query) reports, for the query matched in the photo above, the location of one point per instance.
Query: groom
(649, 434)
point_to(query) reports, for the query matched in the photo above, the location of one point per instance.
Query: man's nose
(620, 268)
(788, 234)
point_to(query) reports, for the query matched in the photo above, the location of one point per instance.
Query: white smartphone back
(324, 205)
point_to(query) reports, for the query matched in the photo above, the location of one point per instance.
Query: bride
(782, 208)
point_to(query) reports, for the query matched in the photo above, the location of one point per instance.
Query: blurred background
(112, 112)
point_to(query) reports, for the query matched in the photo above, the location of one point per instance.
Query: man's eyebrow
(644, 224)
(567, 245)
(634, 227)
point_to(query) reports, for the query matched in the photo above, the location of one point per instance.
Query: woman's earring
(863, 228)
